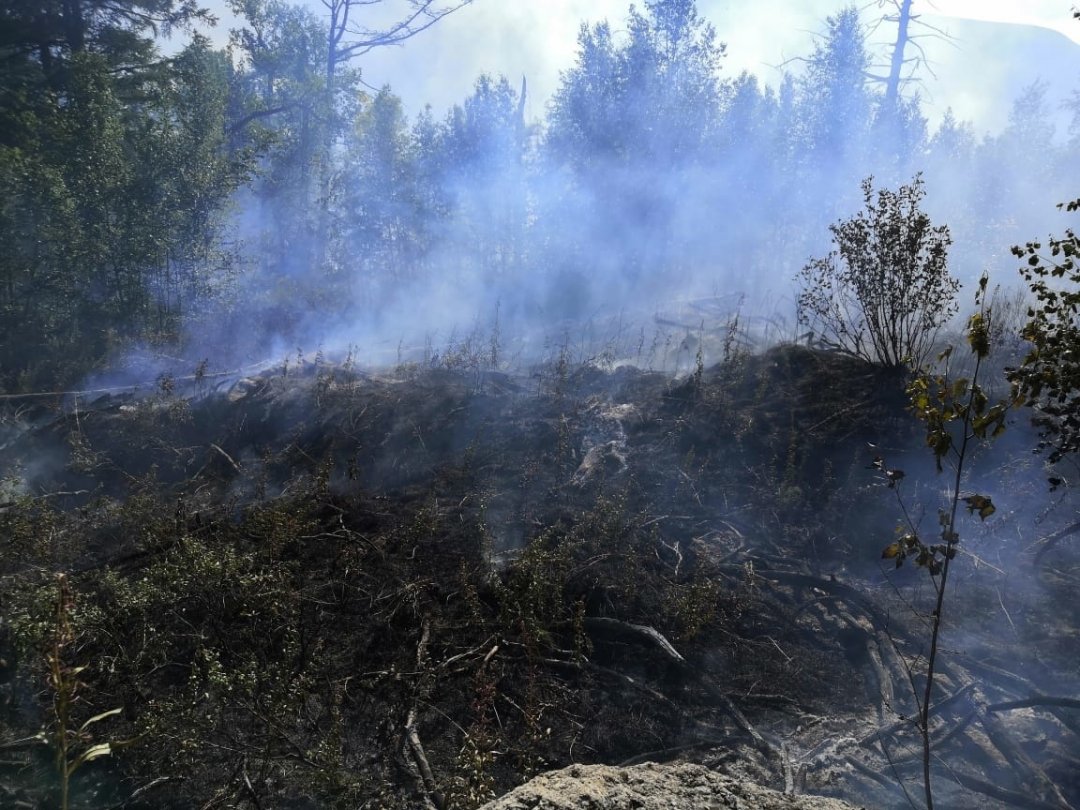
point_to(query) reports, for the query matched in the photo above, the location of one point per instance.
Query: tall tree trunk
(339, 17)
(896, 65)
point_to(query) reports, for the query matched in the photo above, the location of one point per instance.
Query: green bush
(1048, 379)
(885, 291)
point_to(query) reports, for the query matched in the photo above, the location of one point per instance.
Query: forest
(356, 458)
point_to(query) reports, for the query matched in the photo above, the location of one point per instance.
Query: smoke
(637, 171)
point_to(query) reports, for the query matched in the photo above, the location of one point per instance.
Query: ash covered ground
(325, 584)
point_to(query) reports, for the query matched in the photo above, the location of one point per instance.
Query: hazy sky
(537, 38)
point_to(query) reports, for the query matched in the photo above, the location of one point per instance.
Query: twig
(226, 456)
(474, 651)
(837, 415)
(251, 790)
(1005, 610)
(896, 775)
(641, 633)
(136, 386)
(588, 666)
(153, 783)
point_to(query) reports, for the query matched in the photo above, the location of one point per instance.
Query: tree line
(249, 192)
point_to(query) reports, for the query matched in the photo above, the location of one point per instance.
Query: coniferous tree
(115, 169)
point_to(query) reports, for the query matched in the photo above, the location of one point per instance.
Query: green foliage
(1048, 379)
(885, 292)
(657, 95)
(114, 192)
(838, 101)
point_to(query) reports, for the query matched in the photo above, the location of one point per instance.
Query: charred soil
(320, 586)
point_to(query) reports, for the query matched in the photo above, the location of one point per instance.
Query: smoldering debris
(741, 520)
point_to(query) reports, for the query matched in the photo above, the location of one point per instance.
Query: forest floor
(321, 585)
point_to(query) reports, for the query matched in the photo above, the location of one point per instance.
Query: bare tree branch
(348, 39)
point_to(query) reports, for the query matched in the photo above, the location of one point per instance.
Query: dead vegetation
(319, 586)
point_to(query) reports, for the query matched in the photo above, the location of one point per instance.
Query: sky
(537, 39)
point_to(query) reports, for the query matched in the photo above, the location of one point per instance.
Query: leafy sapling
(957, 413)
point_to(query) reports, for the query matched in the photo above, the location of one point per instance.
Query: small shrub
(885, 291)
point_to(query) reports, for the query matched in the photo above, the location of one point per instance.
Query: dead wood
(615, 675)
(416, 749)
(650, 637)
(885, 685)
(1067, 719)
(855, 599)
(1033, 701)
(616, 629)
(252, 794)
(887, 782)
(788, 770)
(959, 727)
(998, 675)
(1030, 773)
(1051, 540)
(907, 722)
(886, 694)
(667, 754)
(763, 745)
(1011, 797)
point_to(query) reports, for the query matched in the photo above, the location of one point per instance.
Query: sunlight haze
(539, 39)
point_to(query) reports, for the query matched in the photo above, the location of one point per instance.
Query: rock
(651, 786)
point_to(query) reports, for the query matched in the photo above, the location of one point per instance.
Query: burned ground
(322, 586)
